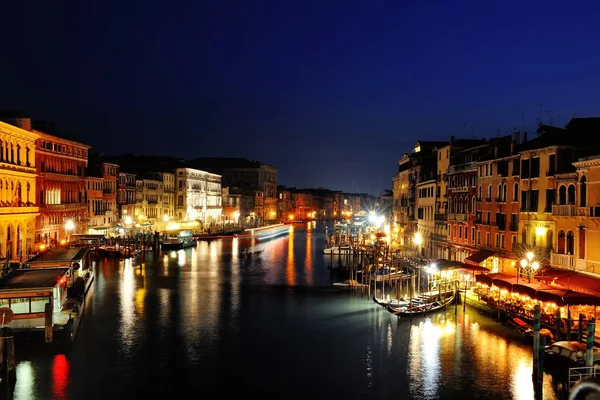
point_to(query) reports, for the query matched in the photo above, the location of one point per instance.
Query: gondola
(527, 331)
(417, 308)
(389, 301)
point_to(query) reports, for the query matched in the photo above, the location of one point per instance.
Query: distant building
(198, 196)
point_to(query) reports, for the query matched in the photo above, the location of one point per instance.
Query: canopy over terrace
(446, 265)
(570, 280)
(539, 290)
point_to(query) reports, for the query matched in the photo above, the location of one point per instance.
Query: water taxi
(178, 240)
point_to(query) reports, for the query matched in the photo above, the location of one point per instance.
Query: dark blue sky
(332, 93)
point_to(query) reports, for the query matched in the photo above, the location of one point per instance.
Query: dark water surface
(202, 321)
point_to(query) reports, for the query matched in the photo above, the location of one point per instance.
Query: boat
(178, 240)
(250, 253)
(527, 331)
(420, 306)
(397, 303)
(567, 354)
(337, 250)
(349, 283)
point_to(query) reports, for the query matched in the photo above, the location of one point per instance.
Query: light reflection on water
(202, 318)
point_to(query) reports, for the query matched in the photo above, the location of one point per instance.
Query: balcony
(67, 206)
(439, 238)
(458, 217)
(18, 210)
(564, 210)
(562, 260)
(462, 189)
(439, 217)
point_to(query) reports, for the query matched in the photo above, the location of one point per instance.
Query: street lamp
(418, 240)
(529, 264)
(69, 226)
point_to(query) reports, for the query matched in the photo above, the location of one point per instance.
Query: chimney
(517, 138)
(452, 138)
(496, 151)
(23, 123)
(524, 137)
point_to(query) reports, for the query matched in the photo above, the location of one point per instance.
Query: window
(473, 235)
(487, 239)
(478, 238)
(497, 240)
(516, 192)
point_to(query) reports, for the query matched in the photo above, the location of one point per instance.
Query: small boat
(527, 331)
(559, 356)
(250, 253)
(420, 307)
(397, 303)
(337, 250)
(178, 240)
(349, 283)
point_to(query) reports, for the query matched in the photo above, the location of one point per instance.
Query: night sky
(331, 93)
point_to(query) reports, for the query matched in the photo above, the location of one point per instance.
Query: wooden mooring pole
(538, 368)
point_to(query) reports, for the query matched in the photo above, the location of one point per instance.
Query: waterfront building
(497, 205)
(285, 204)
(577, 217)
(18, 208)
(304, 203)
(168, 194)
(439, 238)
(97, 220)
(148, 201)
(462, 203)
(231, 207)
(425, 206)
(126, 196)
(61, 186)
(109, 172)
(402, 192)
(198, 196)
(248, 177)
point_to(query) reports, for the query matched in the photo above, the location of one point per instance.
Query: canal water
(204, 321)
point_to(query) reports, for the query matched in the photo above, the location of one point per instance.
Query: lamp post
(69, 226)
(529, 264)
(418, 241)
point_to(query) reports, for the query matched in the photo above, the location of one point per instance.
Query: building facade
(198, 196)
(97, 223)
(61, 187)
(18, 206)
(126, 197)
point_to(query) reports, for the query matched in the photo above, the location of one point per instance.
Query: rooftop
(60, 255)
(32, 278)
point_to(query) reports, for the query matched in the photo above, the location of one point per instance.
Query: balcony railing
(439, 238)
(18, 210)
(458, 217)
(564, 210)
(562, 260)
(68, 206)
(439, 217)
(521, 250)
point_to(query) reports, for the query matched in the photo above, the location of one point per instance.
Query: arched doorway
(570, 243)
(583, 192)
(560, 248)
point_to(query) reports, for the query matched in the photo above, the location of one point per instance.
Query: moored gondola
(418, 306)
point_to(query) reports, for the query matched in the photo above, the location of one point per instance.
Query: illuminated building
(198, 196)
(18, 209)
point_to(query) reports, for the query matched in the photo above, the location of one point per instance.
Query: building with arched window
(18, 208)
(198, 196)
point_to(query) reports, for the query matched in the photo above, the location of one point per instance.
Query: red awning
(567, 297)
(570, 280)
(474, 268)
(479, 257)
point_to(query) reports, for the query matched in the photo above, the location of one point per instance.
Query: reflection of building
(198, 196)
(18, 210)
(61, 185)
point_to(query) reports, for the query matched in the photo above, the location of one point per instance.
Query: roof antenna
(549, 116)
(540, 120)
